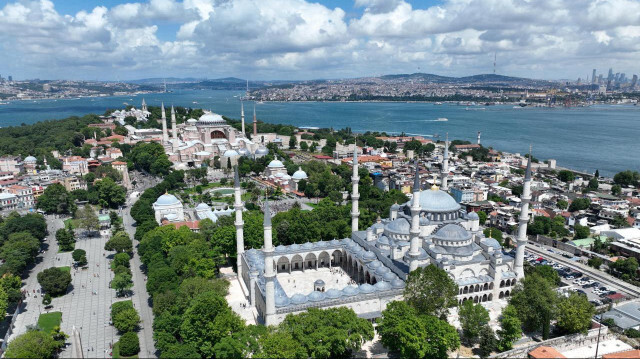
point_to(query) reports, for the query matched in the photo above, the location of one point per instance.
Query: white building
(168, 207)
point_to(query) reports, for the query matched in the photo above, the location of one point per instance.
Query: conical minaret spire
(239, 223)
(355, 195)
(414, 232)
(255, 123)
(242, 117)
(521, 240)
(165, 136)
(444, 175)
(174, 130)
(269, 273)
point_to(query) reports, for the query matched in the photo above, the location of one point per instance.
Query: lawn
(65, 269)
(116, 352)
(48, 321)
(71, 222)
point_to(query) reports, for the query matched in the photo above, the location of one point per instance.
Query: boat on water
(195, 102)
(438, 103)
(260, 102)
(441, 119)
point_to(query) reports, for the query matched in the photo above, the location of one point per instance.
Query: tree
(534, 299)
(579, 204)
(207, 320)
(80, 257)
(627, 178)
(415, 335)
(431, 291)
(32, 344)
(34, 224)
(56, 199)
(593, 184)
(66, 239)
(129, 344)
(493, 233)
(121, 259)
(4, 302)
(482, 215)
(595, 262)
(110, 194)
(280, 345)
(88, 219)
(566, 176)
(304, 146)
(54, 281)
(121, 282)
(574, 314)
(472, 319)
(581, 231)
(126, 320)
(184, 351)
(510, 328)
(119, 243)
(562, 204)
(487, 340)
(46, 299)
(625, 268)
(547, 272)
(293, 142)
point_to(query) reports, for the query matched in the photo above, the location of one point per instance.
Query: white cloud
(305, 39)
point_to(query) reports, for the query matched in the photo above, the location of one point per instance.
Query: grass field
(71, 222)
(48, 321)
(66, 269)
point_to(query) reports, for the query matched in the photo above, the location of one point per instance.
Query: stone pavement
(239, 303)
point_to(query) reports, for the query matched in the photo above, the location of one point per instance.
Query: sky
(300, 39)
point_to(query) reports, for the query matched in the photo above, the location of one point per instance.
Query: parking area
(575, 281)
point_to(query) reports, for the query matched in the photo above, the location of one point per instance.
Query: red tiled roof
(631, 354)
(191, 224)
(545, 353)
(322, 157)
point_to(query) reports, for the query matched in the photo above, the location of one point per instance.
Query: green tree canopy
(110, 194)
(430, 290)
(534, 299)
(54, 281)
(56, 199)
(627, 178)
(473, 317)
(129, 344)
(510, 328)
(126, 320)
(579, 204)
(66, 239)
(119, 243)
(33, 344)
(574, 314)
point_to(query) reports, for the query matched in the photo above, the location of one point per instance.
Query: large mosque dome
(437, 201)
(166, 200)
(211, 118)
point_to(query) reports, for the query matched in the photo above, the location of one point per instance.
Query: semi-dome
(211, 118)
(166, 200)
(275, 164)
(400, 225)
(299, 174)
(452, 232)
(424, 221)
(30, 159)
(299, 299)
(436, 200)
(230, 153)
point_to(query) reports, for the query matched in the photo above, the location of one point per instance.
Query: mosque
(370, 269)
(195, 142)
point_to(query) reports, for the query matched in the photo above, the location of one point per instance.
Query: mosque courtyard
(299, 282)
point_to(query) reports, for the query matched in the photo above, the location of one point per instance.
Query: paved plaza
(239, 303)
(302, 282)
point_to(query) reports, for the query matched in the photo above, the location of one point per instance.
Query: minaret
(144, 105)
(355, 213)
(242, 117)
(239, 222)
(165, 136)
(269, 275)
(445, 167)
(255, 123)
(414, 232)
(521, 240)
(174, 130)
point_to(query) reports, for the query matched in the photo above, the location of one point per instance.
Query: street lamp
(598, 341)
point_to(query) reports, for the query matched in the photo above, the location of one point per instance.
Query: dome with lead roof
(438, 201)
(382, 286)
(399, 226)
(211, 118)
(30, 159)
(262, 151)
(299, 174)
(275, 164)
(398, 283)
(350, 291)
(244, 152)
(472, 216)
(299, 299)
(316, 296)
(333, 293)
(166, 200)
(452, 235)
(366, 288)
(230, 153)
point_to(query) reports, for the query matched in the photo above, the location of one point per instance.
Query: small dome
(366, 288)
(333, 293)
(275, 164)
(299, 174)
(30, 159)
(294, 247)
(395, 207)
(398, 283)
(472, 216)
(382, 286)
(369, 255)
(424, 221)
(335, 242)
(280, 248)
(244, 152)
(382, 271)
(492, 242)
(346, 241)
(389, 277)
(436, 200)
(203, 207)
(322, 244)
(192, 121)
(318, 282)
(307, 245)
(282, 301)
(374, 264)
(316, 296)
(261, 151)
(350, 291)
(383, 240)
(299, 299)
(230, 153)
(400, 225)
(166, 200)
(211, 118)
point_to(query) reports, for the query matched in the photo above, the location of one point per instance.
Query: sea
(603, 137)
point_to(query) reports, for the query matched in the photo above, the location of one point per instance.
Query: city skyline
(300, 40)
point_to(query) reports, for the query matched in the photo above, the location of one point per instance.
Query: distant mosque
(196, 142)
(368, 270)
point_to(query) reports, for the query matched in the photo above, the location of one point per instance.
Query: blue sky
(299, 39)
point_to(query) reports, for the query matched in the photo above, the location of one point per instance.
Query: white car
(570, 277)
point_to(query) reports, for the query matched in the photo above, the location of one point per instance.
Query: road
(602, 277)
(140, 298)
